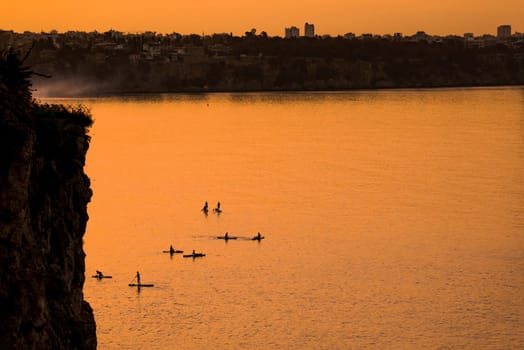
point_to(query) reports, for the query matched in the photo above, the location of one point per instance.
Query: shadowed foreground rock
(43, 214)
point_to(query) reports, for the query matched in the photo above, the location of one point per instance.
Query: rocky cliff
(43, 214)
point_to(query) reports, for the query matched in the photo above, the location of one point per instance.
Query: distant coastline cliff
(116, 63)
(43, 214)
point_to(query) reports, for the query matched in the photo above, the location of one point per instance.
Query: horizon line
(42, 31)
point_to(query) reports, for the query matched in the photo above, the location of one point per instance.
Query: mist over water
(51, 88)
(392, 219)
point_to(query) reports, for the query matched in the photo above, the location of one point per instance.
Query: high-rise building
(292, 32)
(504, 32)
(309, 30)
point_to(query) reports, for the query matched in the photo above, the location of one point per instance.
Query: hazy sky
(237, 16)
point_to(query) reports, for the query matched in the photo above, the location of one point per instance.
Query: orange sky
(212, 16)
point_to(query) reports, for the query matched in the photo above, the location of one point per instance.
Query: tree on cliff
(14, 79)
(15, 100)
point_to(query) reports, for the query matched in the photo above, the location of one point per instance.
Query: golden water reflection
(393, 219)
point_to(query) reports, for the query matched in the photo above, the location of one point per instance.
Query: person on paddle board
(205, 208)
(138, 277)
(171, 250)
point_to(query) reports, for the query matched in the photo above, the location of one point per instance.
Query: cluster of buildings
(98, 47)
(504, 36)
(150, 46)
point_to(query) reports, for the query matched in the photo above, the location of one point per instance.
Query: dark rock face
(43, 214)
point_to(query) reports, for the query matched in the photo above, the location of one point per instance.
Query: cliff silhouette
(43, 214)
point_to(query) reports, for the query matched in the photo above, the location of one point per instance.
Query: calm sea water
(392, 220)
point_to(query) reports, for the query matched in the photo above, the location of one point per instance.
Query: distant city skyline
(331, 17)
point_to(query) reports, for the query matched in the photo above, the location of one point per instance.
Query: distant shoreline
(204, 92)
(104, 65)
